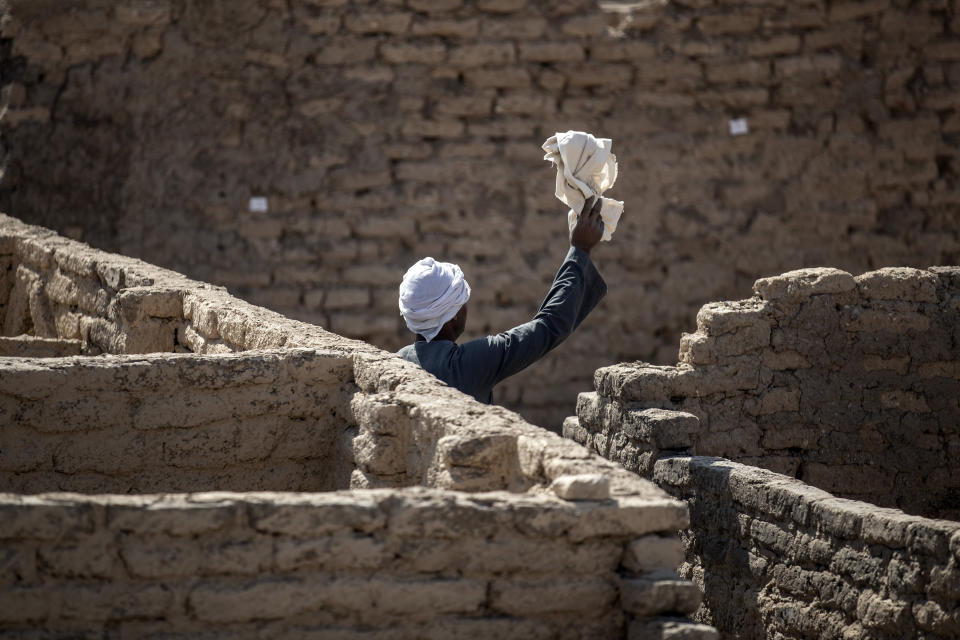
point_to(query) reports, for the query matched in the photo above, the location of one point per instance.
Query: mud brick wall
(569, 545)
(847, 383)
(415, 563)
(175, 423)
(777, 558)
(382, 132)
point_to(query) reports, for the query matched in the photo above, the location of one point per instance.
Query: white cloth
(585, 168)
(430, 295)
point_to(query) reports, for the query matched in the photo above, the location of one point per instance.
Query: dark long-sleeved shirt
(476, 366)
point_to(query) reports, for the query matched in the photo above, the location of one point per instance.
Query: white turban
(431, 294)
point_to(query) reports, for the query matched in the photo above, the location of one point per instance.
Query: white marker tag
(258, 204)
(738, 127)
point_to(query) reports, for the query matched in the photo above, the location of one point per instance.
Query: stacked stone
(568, 545)
(383, 132)
(846, 383)
(779, 558)
(175, 423)
(416, 563)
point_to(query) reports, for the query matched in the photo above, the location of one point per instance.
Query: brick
(173, 516)
(506, 78)
(750, 72)
(483, 54)
(344, 51)
(370, 22)
(309, 516)
(653, 552)
(446, 28)
(38, 519)
(434, 6)
(470, 105)
(551, 52)
(659, 593)
(404, 53)
(25, 604)
(433, 128)
(855, 10)
(587, 598)
(525, 103)
(501, 6)
(775, 46)
(943, 50)
(584, 26)
(726, 24)
(825, 65)
(622, 50)
(113, 601)
(514, 29)
(331, 553)
(589, 74)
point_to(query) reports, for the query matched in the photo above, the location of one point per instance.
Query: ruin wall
(821, 385)
(482, 523)
(778, 558)
(382, 132)
(847, 383)
(416, 563)
(165, 423)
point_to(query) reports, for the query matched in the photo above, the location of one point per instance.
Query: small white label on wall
(738, 127)
(258, 204)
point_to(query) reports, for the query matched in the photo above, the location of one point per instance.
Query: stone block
(670, 629)
(898, 283)
(591, 486)
(331, 553)
(803, 283)
(585, 597)
(622, 51)
(507, 78)
(659, 593)
(750, 72)
(434, 6)
(375, 22)
(739, 22)
(25, 604)
(36, 518)
(174, 516)
(483, 54)
(784, 44)
(309, 516)
(653, 553)
(551, 52)
(857, 9)
(113, 601)
(446, 28)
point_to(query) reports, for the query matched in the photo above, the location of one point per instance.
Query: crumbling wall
(849, 384)
(380, 133)
(777, 558)
(415, 563)
(512, 530)
(257, 421)
(837, 386)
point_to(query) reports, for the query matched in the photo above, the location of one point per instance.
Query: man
(433, 302)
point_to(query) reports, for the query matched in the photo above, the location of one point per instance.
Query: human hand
(588, 230)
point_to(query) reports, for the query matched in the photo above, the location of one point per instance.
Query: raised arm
(576, 290)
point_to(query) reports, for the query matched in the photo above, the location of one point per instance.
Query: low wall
(778, 558)
(484, 524)
(847, 387)
(393, 564)
(849, 384)
(175, 423)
